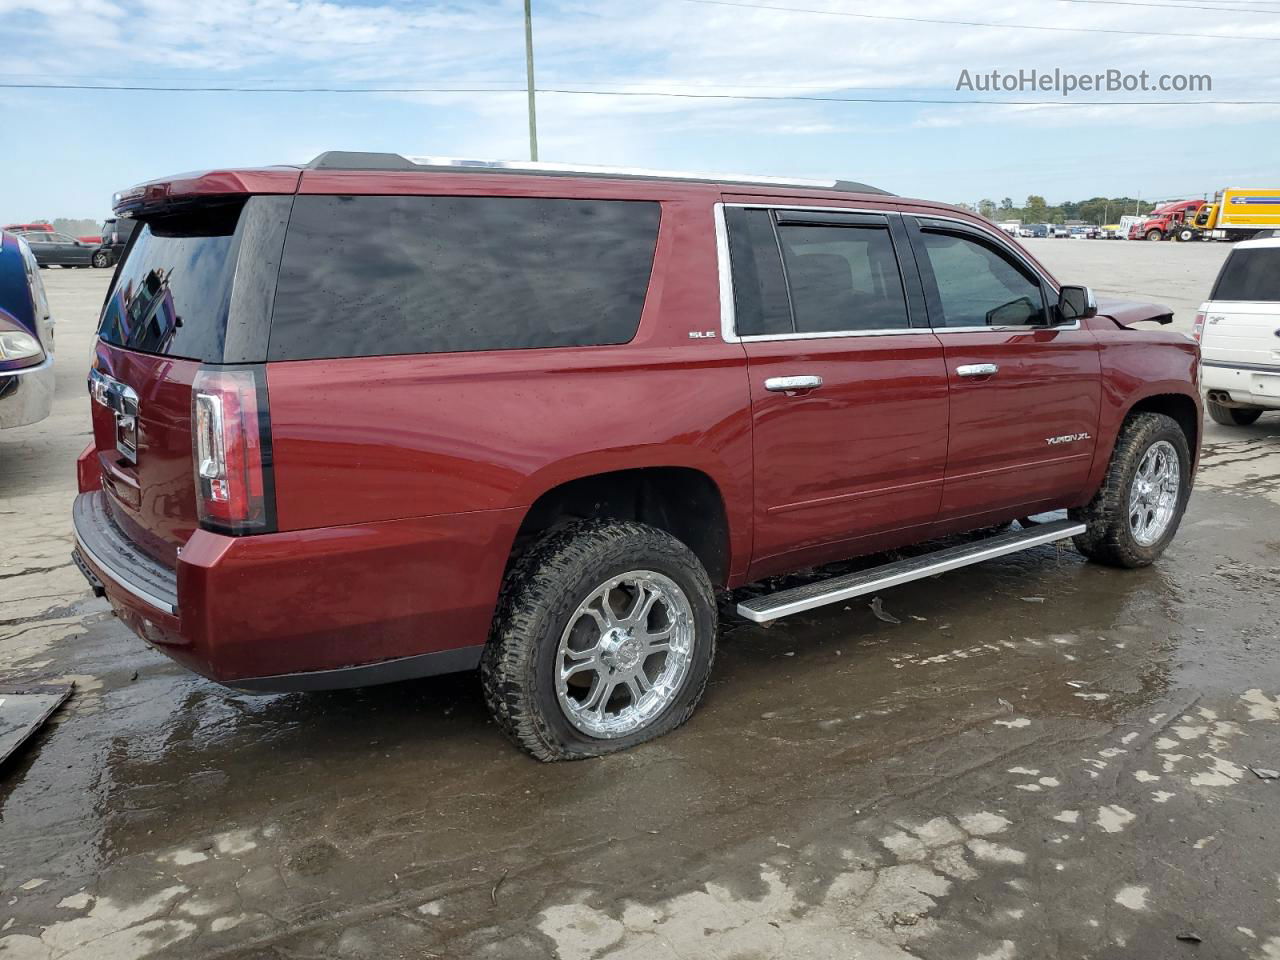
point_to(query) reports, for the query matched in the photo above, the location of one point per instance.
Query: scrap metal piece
(24, 711)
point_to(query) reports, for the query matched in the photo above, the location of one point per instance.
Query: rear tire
(1232, 416)
(1133, 517)
(570, 648)
(102, 260)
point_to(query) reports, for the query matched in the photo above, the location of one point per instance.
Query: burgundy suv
(372, 419)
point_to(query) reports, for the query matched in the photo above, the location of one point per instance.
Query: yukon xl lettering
(373, 418)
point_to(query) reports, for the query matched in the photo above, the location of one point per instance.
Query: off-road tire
(541, 591)
(1108, 539)
(1232, 416)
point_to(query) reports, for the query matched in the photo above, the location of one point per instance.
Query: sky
(69, 150)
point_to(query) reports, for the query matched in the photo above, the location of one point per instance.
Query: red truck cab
(1161, 222)
(532, 420)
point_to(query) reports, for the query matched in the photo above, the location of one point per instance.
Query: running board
(798, 599)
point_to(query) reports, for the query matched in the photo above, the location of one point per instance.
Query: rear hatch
(190, 297)
(1242, 317)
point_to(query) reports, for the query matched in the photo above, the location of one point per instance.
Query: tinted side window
(760, 304)
(979, 287)
(371, 276)
(843, 278)
(1250, 275)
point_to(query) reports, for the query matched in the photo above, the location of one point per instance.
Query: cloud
(660, 45)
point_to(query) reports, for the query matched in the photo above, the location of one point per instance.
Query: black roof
(354, 160)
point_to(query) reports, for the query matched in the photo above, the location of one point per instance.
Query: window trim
(728, 317)
(912, 221)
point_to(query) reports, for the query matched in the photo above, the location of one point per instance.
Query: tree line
(1098, 210)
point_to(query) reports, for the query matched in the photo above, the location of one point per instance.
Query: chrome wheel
(625, 654)
(1153, 494)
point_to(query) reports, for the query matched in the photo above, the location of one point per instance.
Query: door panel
(1024, 393)
(851, 459)
(854, 460)
(1026, 433)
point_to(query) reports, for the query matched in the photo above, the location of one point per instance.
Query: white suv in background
(1239, 333)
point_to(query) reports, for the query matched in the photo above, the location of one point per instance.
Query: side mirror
(1076, 303)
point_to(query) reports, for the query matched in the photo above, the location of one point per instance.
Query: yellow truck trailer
(1237, 213)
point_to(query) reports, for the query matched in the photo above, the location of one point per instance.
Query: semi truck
(1166, 221)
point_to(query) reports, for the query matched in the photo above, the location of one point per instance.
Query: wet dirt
(1044, 758)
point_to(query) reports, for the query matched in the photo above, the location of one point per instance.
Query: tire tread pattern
(1108, 539)
(525, 620)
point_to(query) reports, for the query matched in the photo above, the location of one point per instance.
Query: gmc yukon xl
(377, 418)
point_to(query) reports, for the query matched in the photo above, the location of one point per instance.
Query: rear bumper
(312, 609)
(1250, 384)
(26, 396)
(102, 546)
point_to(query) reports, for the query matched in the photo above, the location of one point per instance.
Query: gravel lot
(1044, 759)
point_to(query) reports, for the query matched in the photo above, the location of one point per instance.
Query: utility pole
(528, 63)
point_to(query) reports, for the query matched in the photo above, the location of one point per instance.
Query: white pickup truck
(1239, 332)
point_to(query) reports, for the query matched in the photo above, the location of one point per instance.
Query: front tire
(102, 259)
(1232, 416)
(1135, 514)
(1155, 235)
(603, 638)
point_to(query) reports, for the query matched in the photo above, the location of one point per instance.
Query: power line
(666, 94)
(1175, 6)
(919, 100)
(975, 23)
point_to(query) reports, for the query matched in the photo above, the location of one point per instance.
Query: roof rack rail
(348, 160)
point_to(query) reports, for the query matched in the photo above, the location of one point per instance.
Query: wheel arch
(1180, 407)
(686, 502)
(1171, 398)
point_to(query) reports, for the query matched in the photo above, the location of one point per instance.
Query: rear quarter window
(374, 276)
(1250, 275)
(172, 293)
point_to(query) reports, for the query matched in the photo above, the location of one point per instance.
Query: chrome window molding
(728, 319)
(1010, 328)
(827, 335)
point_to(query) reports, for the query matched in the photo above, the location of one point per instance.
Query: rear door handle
(792, 385)
(977, 369)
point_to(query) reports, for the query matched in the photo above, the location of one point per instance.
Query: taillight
(231, 440)
(1197, 326)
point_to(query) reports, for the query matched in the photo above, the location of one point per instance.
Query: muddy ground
(1044, 759)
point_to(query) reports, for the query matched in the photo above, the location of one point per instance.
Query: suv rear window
(1250, 275)
(373, 276)
(173, 291)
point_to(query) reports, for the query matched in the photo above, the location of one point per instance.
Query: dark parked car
(59, 250)
(115, 237)
(372, 419)
(26, 337)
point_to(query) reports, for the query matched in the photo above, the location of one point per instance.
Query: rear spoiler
(1128, 312)
(165, 195)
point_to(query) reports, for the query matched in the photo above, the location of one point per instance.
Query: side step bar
(798, 599)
